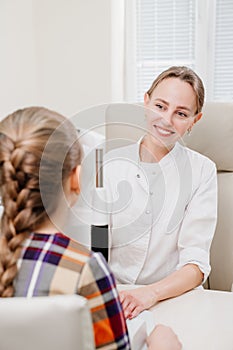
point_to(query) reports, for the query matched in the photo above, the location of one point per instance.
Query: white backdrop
(55, 53)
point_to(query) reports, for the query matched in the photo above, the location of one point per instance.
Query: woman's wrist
(154, 292)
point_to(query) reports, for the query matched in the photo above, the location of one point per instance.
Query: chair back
(44, 323)
(213, 137)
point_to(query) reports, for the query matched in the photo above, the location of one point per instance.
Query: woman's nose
(168, 116)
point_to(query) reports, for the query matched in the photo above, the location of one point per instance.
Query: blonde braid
(20, 198)
(26, 156)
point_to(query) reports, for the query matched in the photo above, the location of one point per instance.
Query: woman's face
(170, 111)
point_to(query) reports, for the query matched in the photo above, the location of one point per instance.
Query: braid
(25, 158)
(23, 209)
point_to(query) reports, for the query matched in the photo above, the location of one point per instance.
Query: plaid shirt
(55, 264)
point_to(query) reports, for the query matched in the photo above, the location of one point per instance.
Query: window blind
(223, 50)
(195, 33)
(165, 36)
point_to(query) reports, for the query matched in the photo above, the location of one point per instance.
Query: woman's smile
(164, 132)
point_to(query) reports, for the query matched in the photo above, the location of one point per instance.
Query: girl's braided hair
(38, 151)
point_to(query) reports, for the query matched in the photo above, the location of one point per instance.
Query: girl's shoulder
(82, 253)
(60, 244)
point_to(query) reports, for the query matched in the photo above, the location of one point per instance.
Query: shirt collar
(167, 158)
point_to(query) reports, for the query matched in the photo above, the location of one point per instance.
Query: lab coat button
(147, 211)
(151, 193)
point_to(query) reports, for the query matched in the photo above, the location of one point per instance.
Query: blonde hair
(35, 143)
(185, 74)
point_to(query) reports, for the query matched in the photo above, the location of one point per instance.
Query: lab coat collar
(168, 158)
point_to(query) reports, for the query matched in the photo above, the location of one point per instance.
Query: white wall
(55, 53)
(17, 55)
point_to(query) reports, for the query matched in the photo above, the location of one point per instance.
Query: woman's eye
(159, 106)
(182, 115)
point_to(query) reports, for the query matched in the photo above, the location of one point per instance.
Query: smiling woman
(172, 108)
(161, 239)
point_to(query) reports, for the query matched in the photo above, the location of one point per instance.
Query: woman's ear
(146, 98)
(197, 117)
(75, 180)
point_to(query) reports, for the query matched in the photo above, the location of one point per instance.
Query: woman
(40, 160)
(163, 225)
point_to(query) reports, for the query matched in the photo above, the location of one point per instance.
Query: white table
(203, 319)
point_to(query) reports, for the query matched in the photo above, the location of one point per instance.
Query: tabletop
(202, 319)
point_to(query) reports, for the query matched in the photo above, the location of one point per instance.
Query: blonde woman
(161, 235)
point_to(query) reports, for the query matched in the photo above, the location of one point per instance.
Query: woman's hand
(136, 300)
(163, 338)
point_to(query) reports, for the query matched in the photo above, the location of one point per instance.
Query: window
(223, 51)
(196, 33)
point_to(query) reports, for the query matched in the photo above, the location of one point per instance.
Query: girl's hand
(136, 300)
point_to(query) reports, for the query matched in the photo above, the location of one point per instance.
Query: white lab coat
(163, 215)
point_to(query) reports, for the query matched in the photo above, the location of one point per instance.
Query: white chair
(45, 323)
(213, 137)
